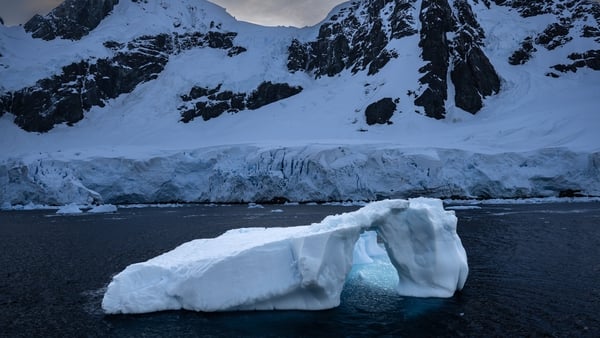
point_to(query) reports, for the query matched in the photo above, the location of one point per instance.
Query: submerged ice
(301, 268)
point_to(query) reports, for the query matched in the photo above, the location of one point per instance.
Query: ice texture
(104, 208)
(248, 173)
(300, 268)
(69, 209)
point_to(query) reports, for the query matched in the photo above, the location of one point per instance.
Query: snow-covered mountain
(129, 101)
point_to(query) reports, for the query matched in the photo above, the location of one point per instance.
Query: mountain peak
(356, 38)
(432, 57)
(71, 20)
(75, 19)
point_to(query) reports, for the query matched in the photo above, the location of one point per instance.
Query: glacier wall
(296, 268)
(307, 173)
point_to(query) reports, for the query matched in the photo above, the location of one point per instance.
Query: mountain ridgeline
(357, 37)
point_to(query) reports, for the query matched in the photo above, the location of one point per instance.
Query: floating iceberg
(103, 209)
(69, 209)
(302, 268)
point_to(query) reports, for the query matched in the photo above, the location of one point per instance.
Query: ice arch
(301, 267)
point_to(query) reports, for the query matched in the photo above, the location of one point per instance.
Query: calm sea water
(534, 271)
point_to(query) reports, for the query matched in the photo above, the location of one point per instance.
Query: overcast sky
(266, 12)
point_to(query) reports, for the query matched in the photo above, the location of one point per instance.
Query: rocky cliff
(359, 37)
(71, 20)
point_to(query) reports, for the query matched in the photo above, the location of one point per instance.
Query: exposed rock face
(65, 97)
(528, 8)
(381, 111)
(268, 93)
(473, 75)
(71, 20)
(355, 38)
(589, 59)
(555, 35)
(591, 32)
(436, 20)
(358, 38)
(209, 103)
(573, 18)
(591, 29)
(523, 54)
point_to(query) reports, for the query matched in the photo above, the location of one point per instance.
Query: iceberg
(103, 209)
(69, 209)
(298, 268)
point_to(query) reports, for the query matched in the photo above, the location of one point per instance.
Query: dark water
(534, 271)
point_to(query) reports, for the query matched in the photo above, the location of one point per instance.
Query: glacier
(299, 268)
(536, 138)
(321, 173)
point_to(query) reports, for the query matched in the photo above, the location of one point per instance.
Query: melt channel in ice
(300, 268)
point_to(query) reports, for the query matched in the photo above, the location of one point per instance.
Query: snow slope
(297, 268)
(537, 137)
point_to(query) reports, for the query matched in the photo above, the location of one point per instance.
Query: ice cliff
(299, 174)
(302, 268)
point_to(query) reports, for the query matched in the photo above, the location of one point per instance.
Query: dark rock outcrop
(436, 20)
(592, 28)
(82, 85)
(473, 75)
(573, 18)
(268, 92)
(380, 112)
(528, 8)
(591, 32)
(474, 78)
(590, 59)
(209, 103)
(523, 54)
(566, 9)
(71, 20)
(355, 38)
(555, 35)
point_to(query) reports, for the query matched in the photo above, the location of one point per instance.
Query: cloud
(16, 12)
(265, 12)
(279, 12)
